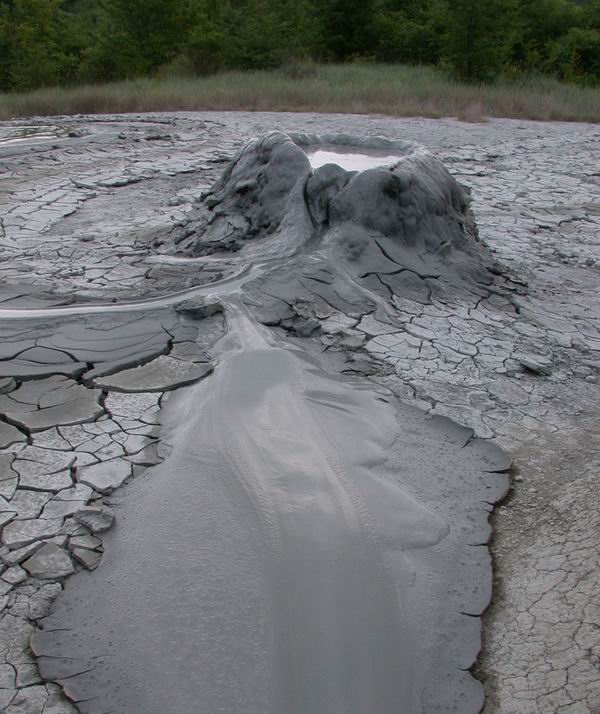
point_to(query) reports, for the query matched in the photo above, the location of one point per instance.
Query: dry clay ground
(80, 202)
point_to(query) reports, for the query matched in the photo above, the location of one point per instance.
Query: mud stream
(271, 564)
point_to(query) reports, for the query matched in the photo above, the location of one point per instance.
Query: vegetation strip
(396, 90)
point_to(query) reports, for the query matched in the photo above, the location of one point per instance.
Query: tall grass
(395, 90)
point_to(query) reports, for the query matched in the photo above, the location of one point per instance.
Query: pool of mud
(349, 159)
(31, 135)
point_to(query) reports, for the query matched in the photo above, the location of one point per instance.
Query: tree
(591, 15)
(409, 31)
(133, 38)
(34, 44)
(250, 34)
(205, 46)
(48, 42)
(348, 29)
(576, 56)
(299, 30)
(477, 39)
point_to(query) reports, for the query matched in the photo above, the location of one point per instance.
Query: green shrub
(576, 56)
(476, 44)
(61, 42)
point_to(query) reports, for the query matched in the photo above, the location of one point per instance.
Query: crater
(349, 159)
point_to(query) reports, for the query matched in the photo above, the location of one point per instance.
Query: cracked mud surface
(85, 214)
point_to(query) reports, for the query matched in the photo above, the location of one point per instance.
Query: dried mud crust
(80, 215)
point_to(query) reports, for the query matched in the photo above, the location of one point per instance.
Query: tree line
(58, 42)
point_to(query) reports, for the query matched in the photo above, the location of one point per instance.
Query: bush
(61, 42)
(34, 46)
(205, 50)
(299, 69)
(576, 56)
(476, 44)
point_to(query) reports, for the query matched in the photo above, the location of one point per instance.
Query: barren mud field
(299, 414)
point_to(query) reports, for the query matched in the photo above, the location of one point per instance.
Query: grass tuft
(395, 90)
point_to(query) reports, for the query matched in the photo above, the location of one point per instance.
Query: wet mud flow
(280, 499)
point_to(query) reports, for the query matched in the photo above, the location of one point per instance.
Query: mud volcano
(311, 544)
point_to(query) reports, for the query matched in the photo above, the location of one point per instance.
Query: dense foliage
(50, 42)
